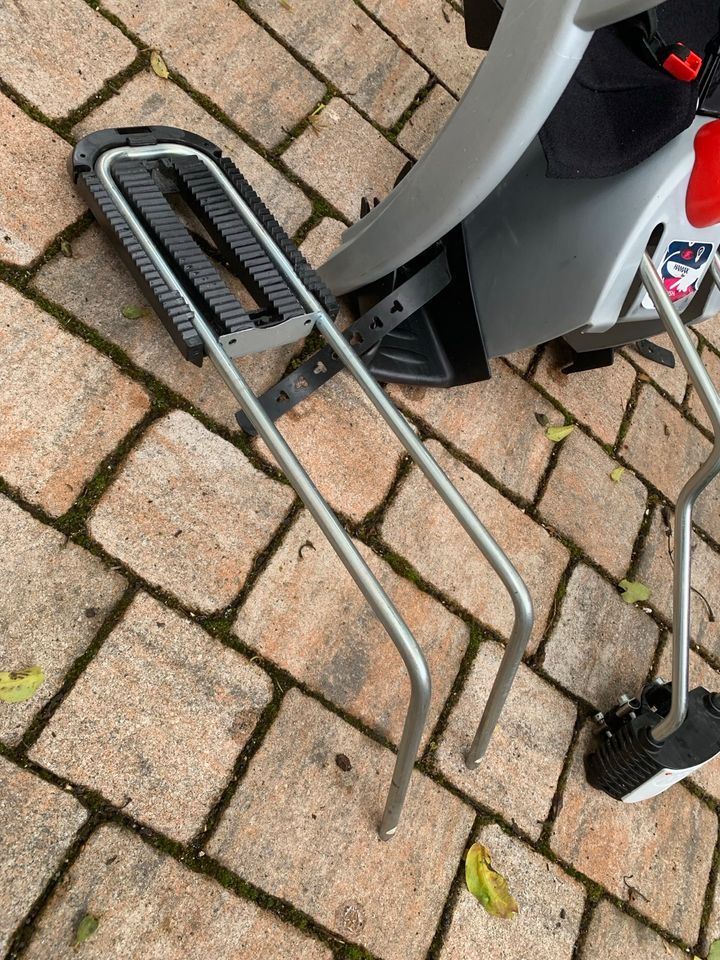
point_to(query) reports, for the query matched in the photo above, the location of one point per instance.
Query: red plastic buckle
(683, 63)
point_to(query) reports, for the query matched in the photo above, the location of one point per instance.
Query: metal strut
(688, 495)
(220, 350)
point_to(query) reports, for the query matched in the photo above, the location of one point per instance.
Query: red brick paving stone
(601, 515)
(306, 614)
(344, 444)
(188, 512)
(38, 198)
(419, 526)
(701, 675)
(655, 570)
(58, 53)
(533, 735)
(150, 906)
(322, 240)
(672, 379)
(356, 55)
(38, 824)
(430, 117)
(156, 721)
(712, 364)
(435, 33)
(53, 598)
(712, 932)
(661, 444)
(707, 513)
(148, 100)
(601, 646)
(95, 286)
(305, 830)
(710, 330)
(63, 406)
(656, 842)
(493, 422)
(521, 359)
(551, 906)
(613, 935)
(597, 398)
(667, 449)
(229, 58)
(345, 158)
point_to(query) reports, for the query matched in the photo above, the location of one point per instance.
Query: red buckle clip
(682, 63)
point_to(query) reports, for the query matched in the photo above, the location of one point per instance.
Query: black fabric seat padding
(619, 109)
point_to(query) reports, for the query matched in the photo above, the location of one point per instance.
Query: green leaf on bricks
(617, 473)
(487, 885)
(132, 313)
(714, 951)
(634, 592)
(556, 434)
(86, 928)
(19, 685)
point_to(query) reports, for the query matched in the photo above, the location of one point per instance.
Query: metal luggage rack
(125, 175)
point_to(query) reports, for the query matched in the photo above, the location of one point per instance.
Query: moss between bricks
(43, 717)
(420, 97)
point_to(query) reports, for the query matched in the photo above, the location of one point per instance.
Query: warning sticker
(682, 268)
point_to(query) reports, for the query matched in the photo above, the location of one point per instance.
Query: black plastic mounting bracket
(590, 360)
(364, 335)
(656, 353)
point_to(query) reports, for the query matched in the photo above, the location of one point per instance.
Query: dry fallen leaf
(314, 118)
(158, 65)
(556, 434)
(487, 885)
(19, 685)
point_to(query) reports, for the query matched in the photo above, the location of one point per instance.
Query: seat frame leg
(382, 606)
(682, 559)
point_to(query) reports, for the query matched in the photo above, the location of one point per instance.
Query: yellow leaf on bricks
(617, 473)
(559, 433)
(158, 65)
(487, 885)
(19, 685)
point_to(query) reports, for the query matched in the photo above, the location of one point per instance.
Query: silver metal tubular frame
(682, 567)
(379, 601)
(382, 606)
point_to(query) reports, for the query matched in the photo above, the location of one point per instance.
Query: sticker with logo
(683, 266)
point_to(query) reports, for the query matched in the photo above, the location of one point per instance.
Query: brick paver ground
(204, 767)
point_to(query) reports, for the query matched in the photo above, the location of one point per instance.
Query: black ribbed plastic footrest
(630, 765)
(181, 277)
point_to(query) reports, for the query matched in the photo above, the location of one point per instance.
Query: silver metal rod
(382, 606)
(521, 600)
(483, 540)
(682, 559)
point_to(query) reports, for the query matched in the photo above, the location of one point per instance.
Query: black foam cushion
(619, 109)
